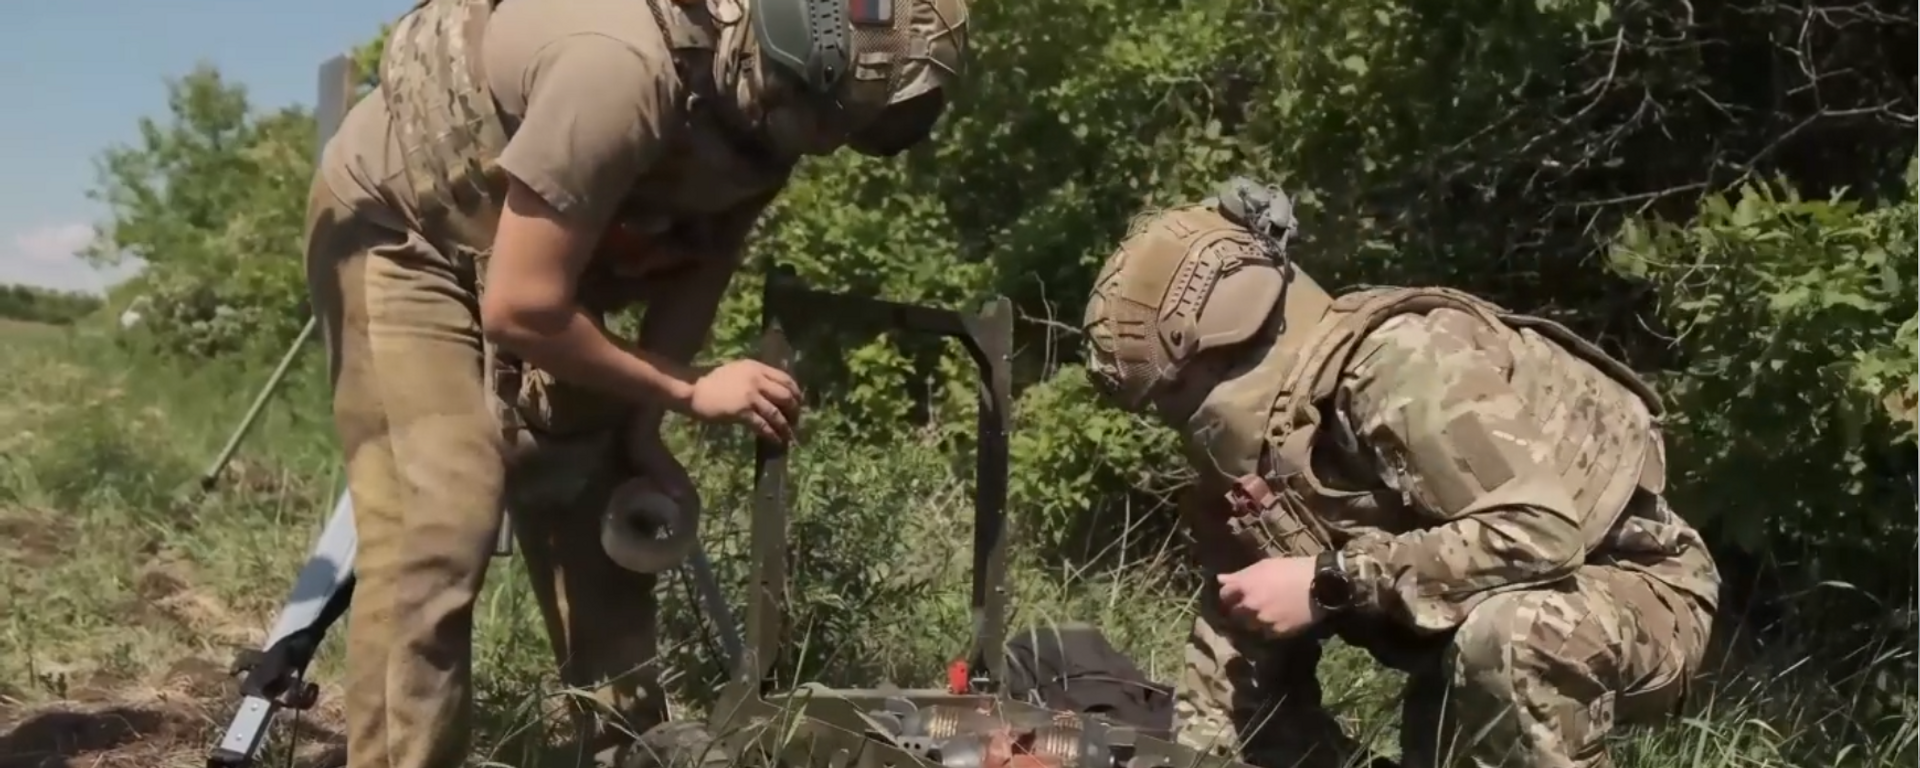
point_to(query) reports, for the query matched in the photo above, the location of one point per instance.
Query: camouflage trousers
(427, 468)
(1533, 678)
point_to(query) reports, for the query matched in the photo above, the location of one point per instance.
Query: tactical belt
(504, 372)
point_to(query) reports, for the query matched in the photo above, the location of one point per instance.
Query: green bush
(1793, 419)
(212, 201)
(41, 305)
(1493, 147)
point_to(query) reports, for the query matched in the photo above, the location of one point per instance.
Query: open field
(125, 594)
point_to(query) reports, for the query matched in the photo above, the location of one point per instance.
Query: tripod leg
(212, 475)
(275, 675)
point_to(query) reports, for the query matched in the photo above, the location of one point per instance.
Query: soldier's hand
(750, 392)
(1273, 594)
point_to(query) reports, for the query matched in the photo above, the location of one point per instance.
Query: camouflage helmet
(885, 66)
(1185, 281)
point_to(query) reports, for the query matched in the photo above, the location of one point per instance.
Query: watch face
(1331, 589)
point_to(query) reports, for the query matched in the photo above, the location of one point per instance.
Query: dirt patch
(32, 540)
(167, 717)
(246, 478)
(202, 679)
(166, 594)
(167, 728)
(100, 687)
(61, 737)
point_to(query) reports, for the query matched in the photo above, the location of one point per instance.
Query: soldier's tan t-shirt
(590, 95)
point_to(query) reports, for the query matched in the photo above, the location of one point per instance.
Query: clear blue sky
(78, 74)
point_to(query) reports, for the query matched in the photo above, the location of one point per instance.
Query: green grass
(126, 591)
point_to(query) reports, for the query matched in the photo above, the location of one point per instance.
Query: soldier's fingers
(778, 376)
(770, 413)
(760, 426)
(785, 383)
(785, 399)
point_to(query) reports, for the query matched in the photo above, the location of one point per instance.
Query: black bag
(1073, 668)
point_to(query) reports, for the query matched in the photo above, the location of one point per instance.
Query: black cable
(708, 634)
(293, 738)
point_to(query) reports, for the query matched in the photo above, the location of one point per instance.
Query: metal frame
(747, 711)
(859, 727)
(988, 339)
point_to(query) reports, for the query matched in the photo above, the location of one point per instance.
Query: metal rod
(336, 85)
(212, 475)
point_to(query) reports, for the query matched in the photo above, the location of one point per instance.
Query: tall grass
(117, 576)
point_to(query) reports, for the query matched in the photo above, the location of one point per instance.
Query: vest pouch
(448, 128)
(551, 473)
(561, 439)
(1271, 524)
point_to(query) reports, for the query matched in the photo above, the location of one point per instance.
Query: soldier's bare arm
(1432, 402)
(571, 161)
(597, 111)
(679, 321)
(530, 308)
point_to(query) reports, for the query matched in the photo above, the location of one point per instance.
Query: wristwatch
(1332, 589)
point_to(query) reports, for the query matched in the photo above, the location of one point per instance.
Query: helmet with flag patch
(887, 67)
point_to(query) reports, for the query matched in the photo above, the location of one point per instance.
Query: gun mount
(974, 722)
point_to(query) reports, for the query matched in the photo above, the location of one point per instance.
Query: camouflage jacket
(1451, 450)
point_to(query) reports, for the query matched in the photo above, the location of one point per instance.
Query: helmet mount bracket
(809, 39)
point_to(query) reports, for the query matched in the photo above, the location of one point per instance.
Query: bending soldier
(456, 256)
(1472, 495)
